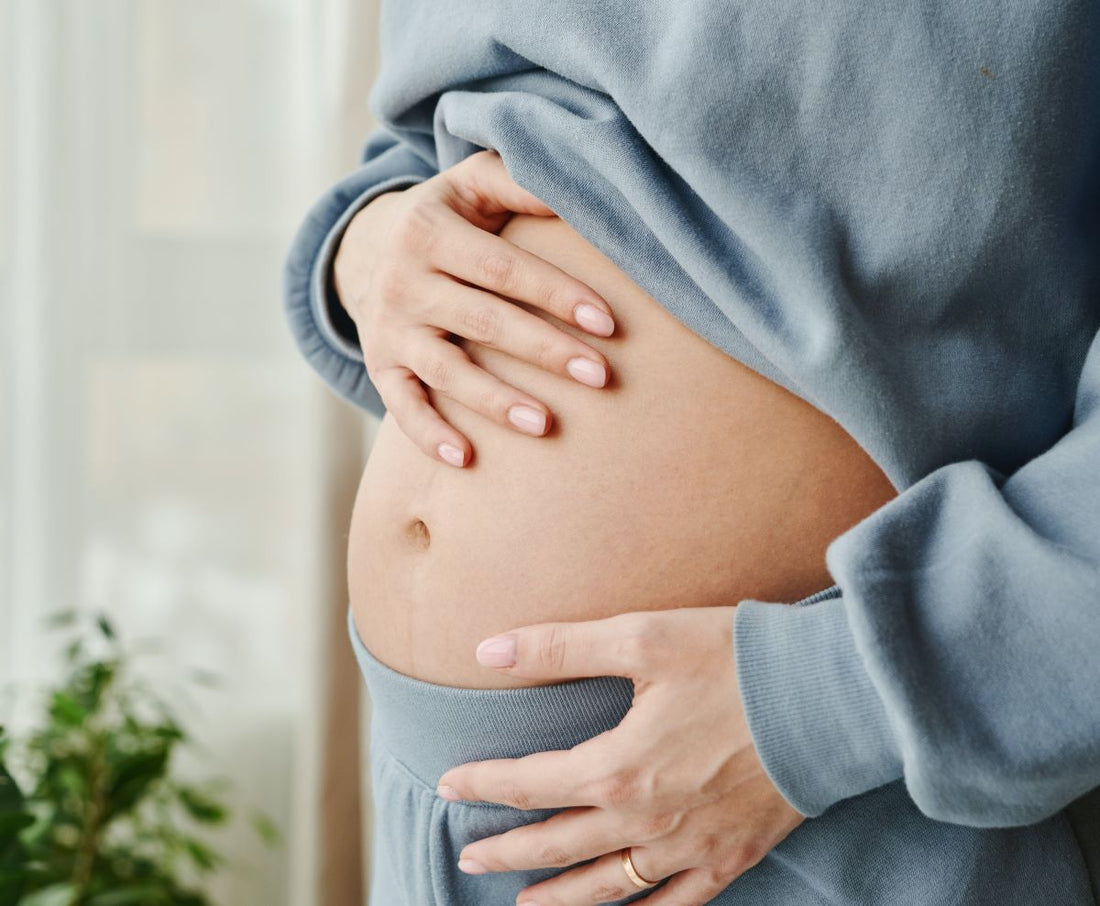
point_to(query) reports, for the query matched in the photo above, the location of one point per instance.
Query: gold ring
(632, 872)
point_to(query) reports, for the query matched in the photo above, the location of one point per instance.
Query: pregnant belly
(690, 480)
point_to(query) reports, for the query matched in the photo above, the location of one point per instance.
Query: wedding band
(632, 872)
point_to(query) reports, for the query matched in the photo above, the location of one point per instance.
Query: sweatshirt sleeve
(960, 650)
(322, 330)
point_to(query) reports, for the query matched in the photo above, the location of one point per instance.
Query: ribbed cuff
(818, 724)
(328, 312)
(308, 294)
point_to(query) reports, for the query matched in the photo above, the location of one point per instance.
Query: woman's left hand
(678, 780)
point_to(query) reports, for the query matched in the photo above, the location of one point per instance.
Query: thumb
(613, 646)
(483, 180)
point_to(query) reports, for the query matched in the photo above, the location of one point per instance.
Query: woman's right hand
(417, 265)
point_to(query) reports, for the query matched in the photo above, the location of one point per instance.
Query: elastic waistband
(431, 728)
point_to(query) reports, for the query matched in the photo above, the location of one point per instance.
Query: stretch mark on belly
(419, 534)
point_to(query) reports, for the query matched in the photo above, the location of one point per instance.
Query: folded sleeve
(960, 652)
(322, 330)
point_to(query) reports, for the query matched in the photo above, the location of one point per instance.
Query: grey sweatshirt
(892, 210)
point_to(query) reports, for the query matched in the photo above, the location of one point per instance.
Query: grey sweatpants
(850, 855)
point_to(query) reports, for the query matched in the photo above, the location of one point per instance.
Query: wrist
(345, 265)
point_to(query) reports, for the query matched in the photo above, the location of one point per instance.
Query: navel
(419, 535)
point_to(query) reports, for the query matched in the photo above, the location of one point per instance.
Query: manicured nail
(471, 867)
(447, 792)
(499, 651)
(587, 371)
(592, 318)
(451, 453)
(527, 419)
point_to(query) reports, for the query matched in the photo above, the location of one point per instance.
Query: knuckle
(618, 788)
(657, 826)
(414, 229)
(637, 643)
(439, 373)
(608, 891)
(498, 270)
(711, 846)
(460, 186)
(478, 161)
(377, 362)
(517, 797)
(374, 372)
(630, 649)
(744, 856)
(717, 878)
(551, 653)
(545, 354)
(563, 297)
(491, 403)
(553, 856)
(483, 323)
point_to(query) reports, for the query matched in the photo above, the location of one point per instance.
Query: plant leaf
(133, 776)
(59, 618)
(146, 895)
(265, 827)
(202, 855)
(65, 709)
(202, 807)
(54, 895)
(11, 823)
(105, 627)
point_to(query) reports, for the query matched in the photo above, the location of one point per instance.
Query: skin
(683, 787)
(417, 265)
(686, 790)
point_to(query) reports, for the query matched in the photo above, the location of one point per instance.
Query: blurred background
(165, 455)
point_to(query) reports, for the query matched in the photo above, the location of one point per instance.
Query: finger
(487, 260)
(565, 838)
(692, 887)
(550, 779)
(483, 182)
(619, 645)
(446, 367)
(603, 880)
(486, 319)
(407, 401)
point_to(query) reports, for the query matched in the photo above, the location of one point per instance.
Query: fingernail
(592, 318)
(528, 903)
(447, 792)
(587, 372)
(451, 453)
(499, 651)
(471, 867)
(527, 419)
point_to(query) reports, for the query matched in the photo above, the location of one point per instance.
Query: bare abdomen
(690, 480)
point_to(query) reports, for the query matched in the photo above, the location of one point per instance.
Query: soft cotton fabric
(876, 848)
(891, 210)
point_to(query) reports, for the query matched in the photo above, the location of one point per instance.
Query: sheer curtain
(164, 454)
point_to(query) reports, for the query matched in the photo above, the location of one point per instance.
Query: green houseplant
(91, 813)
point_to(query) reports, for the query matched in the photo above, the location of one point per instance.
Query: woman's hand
(415, 266)
(678, 780)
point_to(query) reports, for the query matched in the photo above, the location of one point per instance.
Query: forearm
(961, 653)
